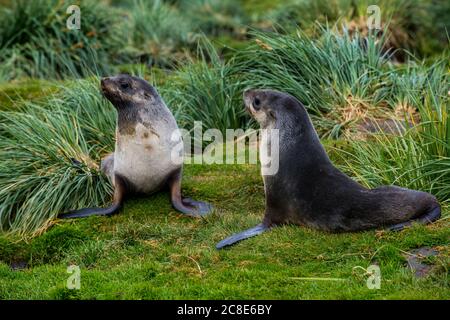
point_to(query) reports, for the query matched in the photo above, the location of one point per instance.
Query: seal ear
(272, 114)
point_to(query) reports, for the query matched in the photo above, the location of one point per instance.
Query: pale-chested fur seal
(309, 190)
(142, 160)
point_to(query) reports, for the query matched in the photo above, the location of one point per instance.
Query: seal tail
(260, 228)
(429, 216)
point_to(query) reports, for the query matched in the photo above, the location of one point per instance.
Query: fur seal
(141, 162)
(308, 190)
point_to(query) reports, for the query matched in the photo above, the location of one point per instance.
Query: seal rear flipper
(430, 216)
(191, 207)
(83, 213)
(260, 228)
(197, 207)
(119, 193)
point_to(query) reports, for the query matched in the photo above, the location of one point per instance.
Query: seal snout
(109, 90)
(248, 98)
(104, 82)
(252, 100)
(248, 95)
(108, 87)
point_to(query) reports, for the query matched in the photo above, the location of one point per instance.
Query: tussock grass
(215, 17)
(419, 26)
(420, 158)
(94, 114)
(35, 42)
(209, 91)
(326, 74)
(160, 33)
(49, 158)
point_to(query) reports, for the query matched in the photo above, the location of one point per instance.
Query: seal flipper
(202, 208)
(430, 216)
(185, 205)
(87, 212)
(260, 228)
(119, 193)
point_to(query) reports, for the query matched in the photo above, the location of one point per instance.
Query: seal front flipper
(260, 228)
(186, 205)
(119, 193)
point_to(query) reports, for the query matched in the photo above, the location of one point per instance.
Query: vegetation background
(378, 98)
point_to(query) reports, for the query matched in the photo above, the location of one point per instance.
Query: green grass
(16, 93)
(49, 157)
(327, 74)
(215, 17)
(159, 33)
(35, 42)
(149, 251)
(209, 91)
(418, 26)
(420, 157)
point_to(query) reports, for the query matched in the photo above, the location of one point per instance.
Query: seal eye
(124, 85)
(256, 103)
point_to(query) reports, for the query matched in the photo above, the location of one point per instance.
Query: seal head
(137, 102)
(124, 90)
(262, 106)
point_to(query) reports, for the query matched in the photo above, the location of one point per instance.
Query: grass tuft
(326, 74)
(209, 91)
(35, 41)
(420, 157)
(49, 158)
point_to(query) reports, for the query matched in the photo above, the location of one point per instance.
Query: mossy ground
(12, 94)
(149, 251)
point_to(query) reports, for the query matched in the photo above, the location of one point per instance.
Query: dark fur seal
(309, 190)
(142, 160)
